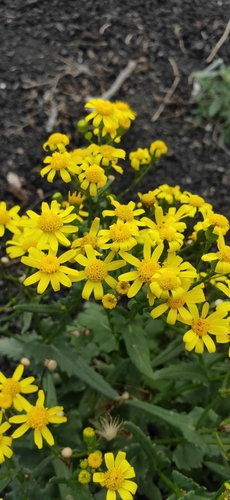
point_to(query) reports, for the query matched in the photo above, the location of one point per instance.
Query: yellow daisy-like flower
(63, 163)
(165, 229)
(89, 238)
(20, 244)
(123, 235)
(223, 284)
(126, 213)
(195, 202)
(107, 156)
(148, 199)
(112, 132)
(5, 441)
(117, 477)
(145, 269)
(55, 141)
(51, 226)
(95, 460)
(123, 111)
(75, 200)
(202, 325)
(109, 301)
(223, 257)
(51, 271)
(169, 193)
(11, 388)
(176, 306)
(219, 223)
(104, 113)
(139, 157)
(9, 219)
(123, 287)
(96, 271)
(38, 417)
(92, 177)
(158, 148)
(173, 279)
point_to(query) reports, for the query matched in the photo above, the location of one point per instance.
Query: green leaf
(181, 422)
(171, 352)
(183, 371)
(37, 471)
(137, 349)
(145, 443)
(187, 456)
(11, 348)
(61, 470)
(49, 388)
(27, 318)
(215, 107)
(95, 319)
(221, 470)
(186, 483)
(39, 308)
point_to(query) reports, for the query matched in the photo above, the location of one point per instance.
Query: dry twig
(170, 92)
(219, 43)
(123, 75)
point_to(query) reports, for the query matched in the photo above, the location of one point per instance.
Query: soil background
(54, 54)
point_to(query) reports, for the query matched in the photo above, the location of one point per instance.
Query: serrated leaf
(145, 443)
(221, 470)
(137, 349)
(183, 371)
(11, 348)
(95, 319)
(187, 456)
(182, 422)
(186, 483)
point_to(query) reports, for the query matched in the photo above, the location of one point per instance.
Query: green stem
(220, 444)
(170, 484)
(136, 180)
(209, 407)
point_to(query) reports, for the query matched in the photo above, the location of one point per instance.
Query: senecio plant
(116, 325)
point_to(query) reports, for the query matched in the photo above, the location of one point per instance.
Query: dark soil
(48, 43)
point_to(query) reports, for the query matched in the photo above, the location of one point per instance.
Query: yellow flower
(195, 202)
(109, 301)
(123, 236)
(38, 417)
(223, 257)
(158, 148)
(12, 387)
(117, 477)
(165, 229)
(223, 284)
(96, 271)
(75, 198)
(122, 288)
(89, 238)
(92, 177)
(89, 435)
(63, 163)
(145, 269)
(55, 141)
(139, 157)
(126, 213)
(107, 156)
(95, 460)
(176, 306)
(104, 113)
(202, 325)
(84, 477)
(20, 244)
(50, 269)
(169, 193)
(9, 219)
(219, 223)
(5, 441)
(149, 199)
(51, 226)
(123, 111)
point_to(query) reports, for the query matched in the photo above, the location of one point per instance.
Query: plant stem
(170, 484)
(209, 407)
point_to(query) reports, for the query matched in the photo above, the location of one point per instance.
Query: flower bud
(89, 435)
(84, 463)
(25, 362)
(88, 136)
(22, 278)
(84, 477)
(58, 197)
(5, 260)
(67, 452)
(51, 364)
(82, 126)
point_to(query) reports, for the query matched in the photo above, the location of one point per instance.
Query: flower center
(224, 254)
(4, 217)
(49, 264)
(104, 108)
(175, 303)
(59, 161)
(148, 199)
(147, 269)
(200, 326)
(167, 233)
(37, 417)
(119, 232)
(196, 201)
(96, 271)
(168, 281)
(27, 243)
(218, 220)
(50, 222)
(11, 387)
(113, 479)
(123, 287)
(89, 240)
(94, 173)
(107, 152)
(123, 212)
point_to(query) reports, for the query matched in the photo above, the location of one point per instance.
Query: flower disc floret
(49, 264)
(200, 326)
(37, 417)
(50, 222)
(11, 387)
(95, 460)
(96, 271)
(147, 269)
(109, 301)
